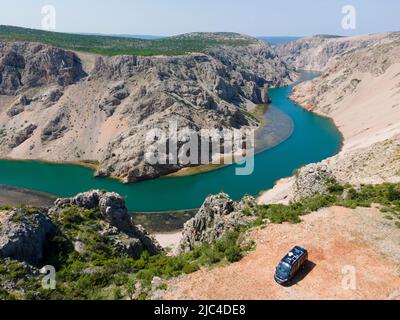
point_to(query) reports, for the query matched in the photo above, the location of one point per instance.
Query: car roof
(294, 255)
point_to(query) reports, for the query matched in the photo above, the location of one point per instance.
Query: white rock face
(218, 215)
(359, 89)
(311, 180)
(361, 93)
(320, 52)
(23, 235)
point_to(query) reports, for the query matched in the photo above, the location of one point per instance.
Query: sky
(171, 17)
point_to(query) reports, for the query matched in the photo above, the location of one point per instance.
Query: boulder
(23, 235)
(218, 215)
(113, 207)
(24, 100)
(51, 96)
(311, 180)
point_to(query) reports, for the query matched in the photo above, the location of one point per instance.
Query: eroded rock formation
(23, 235)
(218, 215)
(26, 234)
(88, 107)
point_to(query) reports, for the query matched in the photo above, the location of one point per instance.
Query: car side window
(294, 269)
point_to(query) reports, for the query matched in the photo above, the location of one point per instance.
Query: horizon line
(128, 34)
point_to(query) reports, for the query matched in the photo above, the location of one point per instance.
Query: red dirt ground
(338, 240)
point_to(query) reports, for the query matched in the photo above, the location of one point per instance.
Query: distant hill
(117, 45)
(278, 40)
(127, 35)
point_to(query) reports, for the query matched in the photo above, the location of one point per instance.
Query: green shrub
(146, 276)
(334, 187)
(233, 254)
(352, 194)
(385, 194)
(116, 294)
(212, 256)
(278, 213)
(392, 192)
(230, 239)
(4, 295)
(190, 268)
(246, 211)
(120, 279)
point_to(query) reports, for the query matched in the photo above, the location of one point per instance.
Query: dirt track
(339, 241)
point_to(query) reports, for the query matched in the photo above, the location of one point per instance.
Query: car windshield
(283, 270)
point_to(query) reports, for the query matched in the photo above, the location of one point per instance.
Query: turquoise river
(314, 138)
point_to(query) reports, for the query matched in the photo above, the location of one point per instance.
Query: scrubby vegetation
(111, 46)
(257, 113)
(100, 272)
(386, 195)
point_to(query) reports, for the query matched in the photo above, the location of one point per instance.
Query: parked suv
(291, 264)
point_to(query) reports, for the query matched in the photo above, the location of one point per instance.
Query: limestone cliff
(320, 52)
(58, 105)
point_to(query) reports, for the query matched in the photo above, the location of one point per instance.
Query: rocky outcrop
(374, 164)
(320, 52)
(87, 236)
(311, 180)
(106, 115)
(113, 98)
(56, 127)
(257, 64)
(15, 110)
(218, 215)
(22, 135)
(46, 99)
(49, 97)
(308, 181)
(110, 204)
(23, 234)
(28, 234)
(26, 65)
(115, 223)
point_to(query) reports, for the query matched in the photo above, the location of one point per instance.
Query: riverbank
(166, 222)
(275, 127)
(12, 196)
